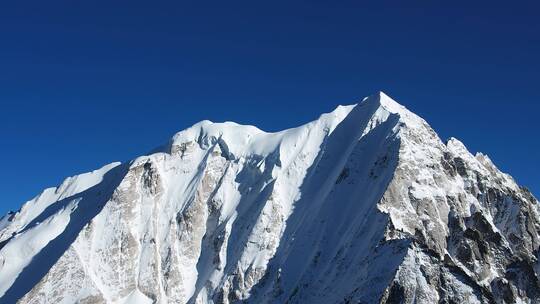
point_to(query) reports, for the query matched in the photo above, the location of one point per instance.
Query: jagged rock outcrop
(364, 205)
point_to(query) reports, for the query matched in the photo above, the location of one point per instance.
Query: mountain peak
(457, 147)
(364, 204)
(385, 101)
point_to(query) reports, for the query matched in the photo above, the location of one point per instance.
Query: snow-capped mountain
(363, 205)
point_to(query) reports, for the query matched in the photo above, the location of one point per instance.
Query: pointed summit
(385, 101)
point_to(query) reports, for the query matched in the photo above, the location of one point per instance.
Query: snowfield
(363, 205)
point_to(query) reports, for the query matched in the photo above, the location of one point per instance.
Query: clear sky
(82, 85)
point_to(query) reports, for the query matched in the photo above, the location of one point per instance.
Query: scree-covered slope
(363, 205)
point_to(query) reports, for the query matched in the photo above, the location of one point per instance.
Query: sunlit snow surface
(365, 204)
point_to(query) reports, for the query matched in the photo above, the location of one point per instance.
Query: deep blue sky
(82, 85)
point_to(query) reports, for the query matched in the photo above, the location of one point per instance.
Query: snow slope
(365, 204)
